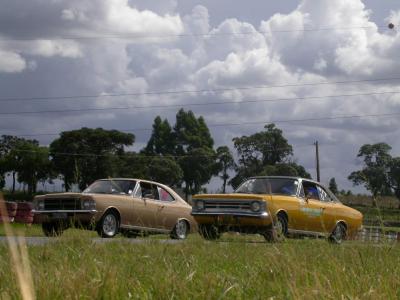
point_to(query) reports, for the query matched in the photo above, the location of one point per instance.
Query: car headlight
(40, 205)
(88, 204)
(199, 205)
(255, 206)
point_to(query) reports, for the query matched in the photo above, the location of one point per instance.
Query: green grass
(379, 214)
(236, 267)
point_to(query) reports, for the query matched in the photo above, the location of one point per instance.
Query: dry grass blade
(19, 256)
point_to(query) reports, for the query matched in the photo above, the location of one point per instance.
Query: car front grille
(226, 205)
(62, 204)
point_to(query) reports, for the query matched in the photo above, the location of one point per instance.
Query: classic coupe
(129, 206)
(276, 207)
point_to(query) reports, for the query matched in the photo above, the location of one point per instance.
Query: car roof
(285, 177)
(132, 179)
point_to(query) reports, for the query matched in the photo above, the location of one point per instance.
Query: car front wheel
(338, 234)
(108, 225)
(278, 231)
(180, 230)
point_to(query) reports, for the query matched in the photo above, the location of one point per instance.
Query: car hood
(233, 196)
(61, 195)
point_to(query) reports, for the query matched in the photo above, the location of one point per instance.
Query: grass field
(237, 267)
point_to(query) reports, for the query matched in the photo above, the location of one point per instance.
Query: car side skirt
(147, 229)
(306, 232)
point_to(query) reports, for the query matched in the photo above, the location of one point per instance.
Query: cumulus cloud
(11, 62)
(136, 47)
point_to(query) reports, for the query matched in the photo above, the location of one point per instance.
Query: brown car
(129, 206)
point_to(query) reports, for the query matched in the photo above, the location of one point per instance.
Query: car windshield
(125, 187)
(281, 186)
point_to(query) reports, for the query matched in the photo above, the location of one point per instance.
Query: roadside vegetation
(237, 267)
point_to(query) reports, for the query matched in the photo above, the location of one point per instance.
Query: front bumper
(84, 216)
(233, 218)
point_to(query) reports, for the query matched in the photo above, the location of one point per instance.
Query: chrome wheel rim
(181, 229)
(110, 225)
(279, 228)
(338, 234)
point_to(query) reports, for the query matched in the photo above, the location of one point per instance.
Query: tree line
(182, 156)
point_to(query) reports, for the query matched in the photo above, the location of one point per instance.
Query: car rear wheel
(209, 232)
(338, 234)
(52, 229)
(108, 225)
(278, 231)
(180, 230)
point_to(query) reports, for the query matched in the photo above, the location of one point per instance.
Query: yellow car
(276, 207)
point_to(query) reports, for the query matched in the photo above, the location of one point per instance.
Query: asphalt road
(39, 240)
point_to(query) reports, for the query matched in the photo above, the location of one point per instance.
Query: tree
(198, 166)
(333, 186)
(225, 162)
(191, 132)
(394, 176)
(285, 169)
(162, 140)
(33, 164)
(132, 165)
(164, 169)
(2, 172)
(84, 155)
(194, 147)
(25, 158)
(374, 174)
(265, 153)
(8, 162)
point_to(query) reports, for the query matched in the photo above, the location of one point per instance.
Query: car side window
(301, 194)
(323, 195)
(311, 190)
(164, 195)
(149, 190)
(138, 192)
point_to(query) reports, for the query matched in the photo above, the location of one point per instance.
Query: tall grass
(237, 267)
(19, 258)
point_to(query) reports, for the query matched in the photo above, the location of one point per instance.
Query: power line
(185, 35)
(217, 90)
(327, 118)
(193, 104)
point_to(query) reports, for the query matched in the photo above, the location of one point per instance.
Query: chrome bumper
(262, 215)
(78, 211)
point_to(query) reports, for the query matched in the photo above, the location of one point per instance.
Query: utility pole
(317, 159)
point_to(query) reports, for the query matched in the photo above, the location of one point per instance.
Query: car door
(311, 209)
(146, 206)
(330, 210)
(169, 211)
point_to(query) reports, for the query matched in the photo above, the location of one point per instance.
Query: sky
(305, 65)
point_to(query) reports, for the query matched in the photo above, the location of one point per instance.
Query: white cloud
(285, 52)
(11, 62)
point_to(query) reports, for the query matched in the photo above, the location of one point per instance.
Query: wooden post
(317, 160)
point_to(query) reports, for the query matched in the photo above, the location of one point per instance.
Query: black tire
(338, 235)
(180, 230)
(209, 232)
(278, 231)
(52, 229)
(109, 225)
